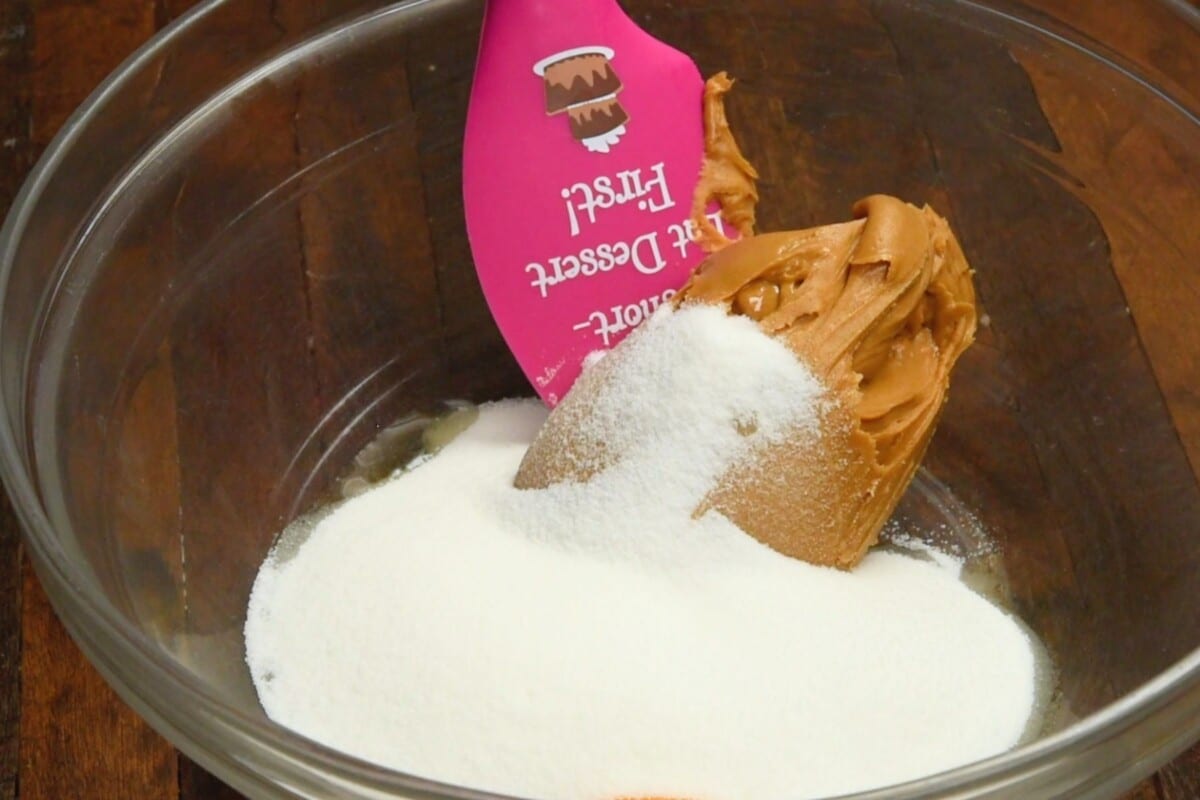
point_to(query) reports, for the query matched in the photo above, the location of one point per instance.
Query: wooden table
(63, 732)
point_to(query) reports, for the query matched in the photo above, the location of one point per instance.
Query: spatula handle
(550, 20)
(570, 13)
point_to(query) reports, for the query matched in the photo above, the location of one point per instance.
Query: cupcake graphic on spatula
(583, 84)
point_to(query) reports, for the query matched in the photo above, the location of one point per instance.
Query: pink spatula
(583, 146)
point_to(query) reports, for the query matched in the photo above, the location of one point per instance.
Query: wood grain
(16, 157)
(240, 357)
(1146, 790)
(1136, 32)
(1110, 465)
(371, 284)
(77, 738)
(195, 783)
(10, 650)
(145, 482)
(1180, 780)
(1117, 152)
(70, 58)
(69, 715)
(440, 63)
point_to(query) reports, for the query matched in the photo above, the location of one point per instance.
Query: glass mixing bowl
(245, 256)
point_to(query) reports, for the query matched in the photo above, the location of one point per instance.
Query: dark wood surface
(63, 733)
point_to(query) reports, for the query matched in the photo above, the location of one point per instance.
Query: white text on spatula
(584, 200)
(643, 253)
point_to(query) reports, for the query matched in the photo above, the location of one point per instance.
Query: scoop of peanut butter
(879, 308)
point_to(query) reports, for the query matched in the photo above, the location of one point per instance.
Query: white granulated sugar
(450, 626)
(951, 563)
(696, 379)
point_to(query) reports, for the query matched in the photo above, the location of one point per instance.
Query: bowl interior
(253, 260)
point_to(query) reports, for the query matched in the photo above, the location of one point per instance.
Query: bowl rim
(108, 632)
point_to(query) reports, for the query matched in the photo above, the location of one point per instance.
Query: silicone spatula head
(583, 146)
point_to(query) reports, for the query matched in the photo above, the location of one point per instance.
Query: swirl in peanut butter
(880, 308)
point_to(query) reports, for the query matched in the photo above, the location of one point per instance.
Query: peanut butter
(879, 308)
(725, 176)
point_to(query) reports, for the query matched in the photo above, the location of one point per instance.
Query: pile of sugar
(594, 641)
(685, 397)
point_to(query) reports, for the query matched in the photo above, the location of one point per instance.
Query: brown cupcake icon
(583, 83)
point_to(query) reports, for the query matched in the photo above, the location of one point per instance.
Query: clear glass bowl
(245, 256)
